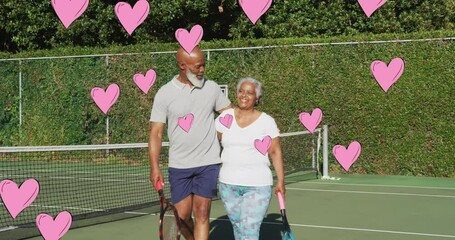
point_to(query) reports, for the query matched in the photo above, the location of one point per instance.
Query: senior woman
(249, 137)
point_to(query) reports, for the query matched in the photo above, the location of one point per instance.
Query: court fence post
(325, 153)
(107, 116)
(20, 93)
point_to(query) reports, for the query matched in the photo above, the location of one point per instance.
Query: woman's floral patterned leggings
(246, 207)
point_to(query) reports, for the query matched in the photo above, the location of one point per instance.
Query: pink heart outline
(186, 122)
(189, 40)
(346, 157)
(54, 229)
(311, 121)
(15, 198)
(105, 99)
(254, 9)
(226, 120)
(132, 17)
(385, 75)
(370, 6)
(145, 82)
(263, 145)
(69, 10)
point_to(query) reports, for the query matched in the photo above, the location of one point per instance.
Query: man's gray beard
(194, 80)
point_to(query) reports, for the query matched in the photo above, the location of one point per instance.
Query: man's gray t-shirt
(198, 145)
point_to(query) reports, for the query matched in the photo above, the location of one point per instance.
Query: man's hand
(155, 176)
(155, 139)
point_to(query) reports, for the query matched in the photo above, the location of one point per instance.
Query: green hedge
(215, 44)
(408, 130)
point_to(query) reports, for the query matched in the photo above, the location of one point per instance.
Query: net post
(318, 154)
(325, 149)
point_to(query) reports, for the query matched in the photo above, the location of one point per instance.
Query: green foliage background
(28, 25)
(408, 131)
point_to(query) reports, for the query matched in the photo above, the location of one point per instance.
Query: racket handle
(159, 185)
(281, 201)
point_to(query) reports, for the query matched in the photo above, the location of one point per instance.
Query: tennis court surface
(110, 182)
(354, 207)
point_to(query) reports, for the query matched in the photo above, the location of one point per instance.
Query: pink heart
(54, 229)
(264, 145)
(226, 120)
(254, 9)
(311, 121)
(369, 6)
(145, 82)
(347, 157)
(131, 18)
(189, 40)
(17, 199)
(186, 122)
(103, 99)
(69, 10)
(385, 75)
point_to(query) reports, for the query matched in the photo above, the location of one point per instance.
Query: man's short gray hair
(259, 88)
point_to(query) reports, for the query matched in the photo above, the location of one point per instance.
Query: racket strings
(170, 225)
(286, 233)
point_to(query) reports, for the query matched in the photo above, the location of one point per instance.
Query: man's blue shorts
(201, 181)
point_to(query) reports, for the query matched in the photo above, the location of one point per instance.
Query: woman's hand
(280, 188)
(277, 161)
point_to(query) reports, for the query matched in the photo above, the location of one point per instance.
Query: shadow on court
(221, 228)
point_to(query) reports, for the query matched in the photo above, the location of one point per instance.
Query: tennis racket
(170, 224)
(287, 234)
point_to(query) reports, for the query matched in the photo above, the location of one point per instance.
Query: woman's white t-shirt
(242, 163)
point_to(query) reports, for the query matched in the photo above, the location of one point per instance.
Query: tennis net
(99, 181)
